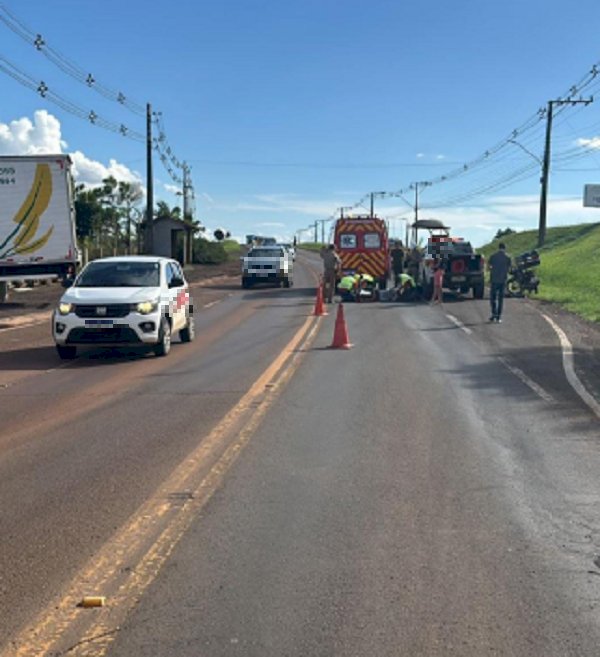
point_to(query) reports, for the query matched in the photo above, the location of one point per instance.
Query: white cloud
(271, 224)
(172, 189)
(91, 172)
(420, 155)
(594, 142)
(25, 137)
(43, 135)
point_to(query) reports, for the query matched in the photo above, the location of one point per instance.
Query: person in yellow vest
(407, 290)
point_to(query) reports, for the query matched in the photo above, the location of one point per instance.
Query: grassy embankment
(311, 246)
(569, 272)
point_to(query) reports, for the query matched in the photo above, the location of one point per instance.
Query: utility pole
(316, 231)
(416, 188)
(373, 195)
(322, 231)
(546, 163)
(149, 236)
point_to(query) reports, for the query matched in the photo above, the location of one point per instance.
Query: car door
(179, 295)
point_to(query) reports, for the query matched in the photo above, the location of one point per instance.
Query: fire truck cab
(362, 244)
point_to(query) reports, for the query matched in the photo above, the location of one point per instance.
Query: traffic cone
(319, 310)
(340, 333)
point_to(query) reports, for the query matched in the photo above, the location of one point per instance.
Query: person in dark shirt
(397, 255)
(499, 265)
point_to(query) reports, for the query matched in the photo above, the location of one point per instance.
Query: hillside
(570, 265)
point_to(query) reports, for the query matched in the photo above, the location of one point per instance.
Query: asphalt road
(432, 491)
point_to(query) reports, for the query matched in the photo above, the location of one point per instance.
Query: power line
(66, 65)
(43, 90)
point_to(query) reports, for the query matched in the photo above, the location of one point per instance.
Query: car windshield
(120, 274)
(265, 253)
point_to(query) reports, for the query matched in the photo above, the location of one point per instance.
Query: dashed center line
(458, 323)
(530, 383)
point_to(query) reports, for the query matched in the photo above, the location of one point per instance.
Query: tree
(502, 233)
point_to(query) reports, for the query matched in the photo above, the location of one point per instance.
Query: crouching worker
(347, 288)
(366, 287)
(407, 290)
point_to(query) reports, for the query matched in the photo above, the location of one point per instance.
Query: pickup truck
(463, 268)
(267, 264)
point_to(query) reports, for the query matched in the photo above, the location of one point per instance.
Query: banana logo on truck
(24, 236)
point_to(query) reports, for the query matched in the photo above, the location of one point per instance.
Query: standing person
(331, 266)
(397, 255)
(499, 265)
(414, 262)
(438, 281)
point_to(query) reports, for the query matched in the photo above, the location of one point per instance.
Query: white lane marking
(212, 303)
(458, 323)
(569, 368)
(530, 383)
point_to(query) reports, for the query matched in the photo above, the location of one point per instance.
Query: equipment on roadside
(522, 277)
(340, 332)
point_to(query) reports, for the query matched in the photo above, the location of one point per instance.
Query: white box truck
(37, 219)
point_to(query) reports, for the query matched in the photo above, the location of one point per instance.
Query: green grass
(311, 246)
(569, 272)
(232, 248)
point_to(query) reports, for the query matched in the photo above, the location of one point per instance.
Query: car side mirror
(67, 282)
(176, 282)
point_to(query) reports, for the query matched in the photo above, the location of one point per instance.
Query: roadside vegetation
(570, 265)
(311, 246)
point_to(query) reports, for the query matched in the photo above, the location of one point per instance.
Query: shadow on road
(541, 366)
(279, 293)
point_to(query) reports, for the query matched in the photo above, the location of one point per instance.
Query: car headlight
(146, 307)
(65, 308)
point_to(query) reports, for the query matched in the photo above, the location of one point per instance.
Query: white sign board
(591, 196)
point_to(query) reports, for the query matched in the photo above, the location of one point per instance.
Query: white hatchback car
(128, 300)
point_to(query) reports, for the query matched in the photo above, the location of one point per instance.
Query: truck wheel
(383, 281)
(164, 338)
(4, 287)
(246, 283)
(188, 332)
(66, 351)
(287, 282)
(478, 291)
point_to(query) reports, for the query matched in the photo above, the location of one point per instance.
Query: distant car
(267, 264)
(290, 249)
(129, 300)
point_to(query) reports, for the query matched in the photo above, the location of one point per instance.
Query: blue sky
(288, 110)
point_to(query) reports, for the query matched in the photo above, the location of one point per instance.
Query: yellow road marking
(129, 562)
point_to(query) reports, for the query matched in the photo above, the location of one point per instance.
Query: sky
(287, 111)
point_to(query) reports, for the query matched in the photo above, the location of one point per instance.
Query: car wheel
(287, 282)
(188, 332)
(66, 352)
(164, 338)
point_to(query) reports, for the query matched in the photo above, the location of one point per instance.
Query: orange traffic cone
(340, 333)
(319, 310)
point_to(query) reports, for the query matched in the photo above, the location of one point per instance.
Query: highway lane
(411, 496)
(84, 444)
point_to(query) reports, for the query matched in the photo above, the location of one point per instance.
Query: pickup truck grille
(96, 310)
